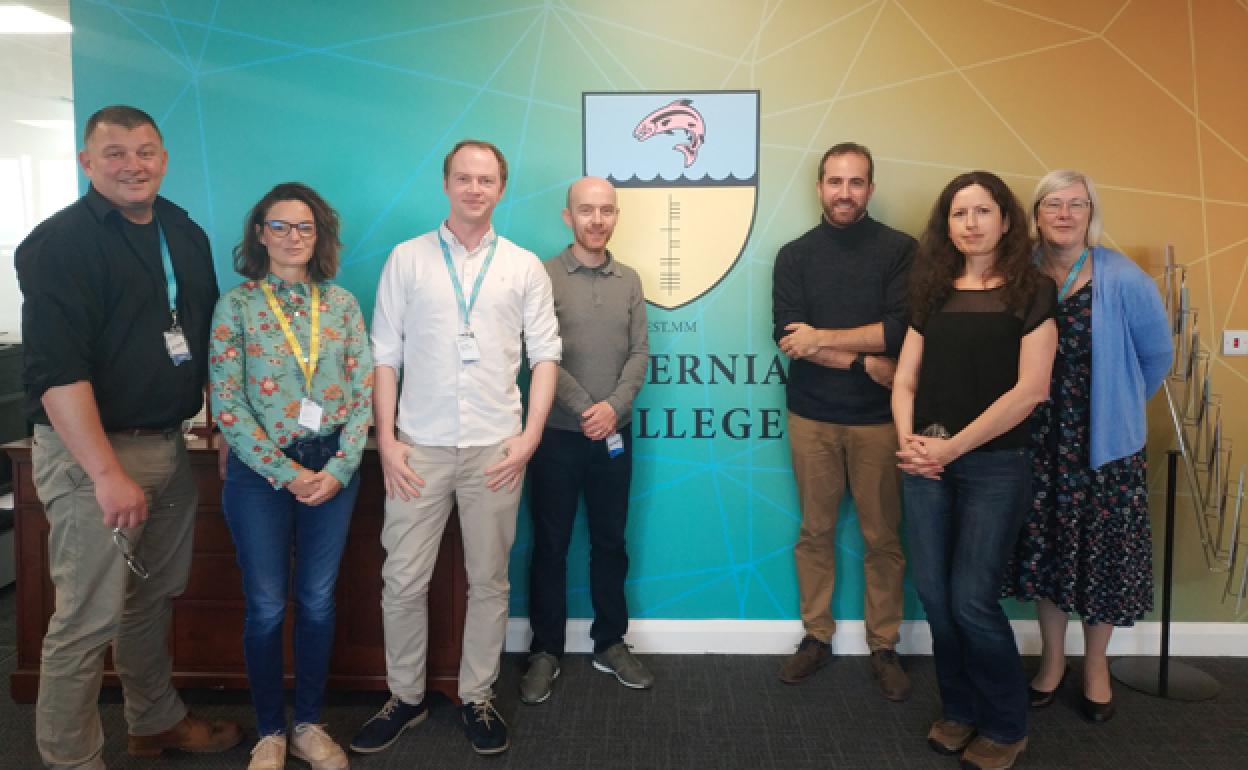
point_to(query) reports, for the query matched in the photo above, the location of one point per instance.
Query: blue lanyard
(171, 280)
(1070, 277)
(465, 307)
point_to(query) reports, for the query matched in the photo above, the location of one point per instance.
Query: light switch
(1234, 343)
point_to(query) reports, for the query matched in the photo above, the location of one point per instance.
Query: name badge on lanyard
(615, 445)
(175, 343)
(468, 349)
(466, 341)
(310, 412)
(175, 340)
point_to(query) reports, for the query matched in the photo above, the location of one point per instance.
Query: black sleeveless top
(970, 357)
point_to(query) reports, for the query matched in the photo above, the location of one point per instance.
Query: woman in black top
(975, 362)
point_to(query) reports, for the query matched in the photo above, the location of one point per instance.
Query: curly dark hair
(251, 258)
(938, 262)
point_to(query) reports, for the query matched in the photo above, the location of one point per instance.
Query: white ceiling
(35, 76)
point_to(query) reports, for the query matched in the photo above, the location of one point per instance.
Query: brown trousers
(825, 457)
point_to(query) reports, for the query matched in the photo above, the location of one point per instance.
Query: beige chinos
(100, 602)
(412, 535)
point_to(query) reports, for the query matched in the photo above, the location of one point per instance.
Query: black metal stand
(1162, 676)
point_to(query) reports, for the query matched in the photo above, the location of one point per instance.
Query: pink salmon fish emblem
(670, 118)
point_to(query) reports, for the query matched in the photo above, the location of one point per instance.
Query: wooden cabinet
(12, 401)
(207, 632)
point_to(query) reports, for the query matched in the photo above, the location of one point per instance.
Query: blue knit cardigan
(1131, 354)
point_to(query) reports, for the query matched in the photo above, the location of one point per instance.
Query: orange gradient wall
(1147, 96)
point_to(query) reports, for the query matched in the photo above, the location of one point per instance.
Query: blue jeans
(961, 532)
(270, 527)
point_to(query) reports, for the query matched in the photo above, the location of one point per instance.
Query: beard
(844, 216)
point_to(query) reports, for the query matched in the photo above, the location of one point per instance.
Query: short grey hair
(1060, 179)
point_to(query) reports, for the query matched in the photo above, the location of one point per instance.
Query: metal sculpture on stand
(1206, 454)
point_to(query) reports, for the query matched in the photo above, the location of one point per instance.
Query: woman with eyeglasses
(974, 364)
(292, 382)
(1086, 546)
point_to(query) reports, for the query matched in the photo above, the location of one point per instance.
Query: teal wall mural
(362, 100)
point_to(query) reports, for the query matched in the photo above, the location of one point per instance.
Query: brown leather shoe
(191, 734)
(811, 656)
(889, 675)
(949, 737)
(986, 754)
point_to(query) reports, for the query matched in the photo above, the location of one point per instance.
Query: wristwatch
(859, 364)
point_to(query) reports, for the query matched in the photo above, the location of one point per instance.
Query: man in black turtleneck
(839, 308)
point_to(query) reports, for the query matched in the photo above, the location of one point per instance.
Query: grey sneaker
(619, 660)
(539, 680)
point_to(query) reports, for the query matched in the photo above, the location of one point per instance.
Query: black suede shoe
(1097, 712)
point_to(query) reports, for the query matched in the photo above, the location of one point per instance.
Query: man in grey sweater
(586, 448)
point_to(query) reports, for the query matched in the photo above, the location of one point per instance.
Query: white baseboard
(779, 637)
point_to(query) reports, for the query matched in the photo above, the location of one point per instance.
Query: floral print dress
(257, 386)
(1086, 542)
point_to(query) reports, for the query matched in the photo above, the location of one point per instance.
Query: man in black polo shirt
(118, 294)
(839, 309)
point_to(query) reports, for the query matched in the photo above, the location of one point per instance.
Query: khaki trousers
(825, 457)
(100, 602)
(412, 534)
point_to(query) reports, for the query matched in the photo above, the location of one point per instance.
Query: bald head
(591, 213)
(587, 185)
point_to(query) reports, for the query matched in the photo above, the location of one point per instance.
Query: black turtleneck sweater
(840, 278)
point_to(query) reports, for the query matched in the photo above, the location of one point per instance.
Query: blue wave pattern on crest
(704, 181)
(730, 147)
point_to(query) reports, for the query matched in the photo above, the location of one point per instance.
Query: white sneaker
(313, 745)
(269, 753)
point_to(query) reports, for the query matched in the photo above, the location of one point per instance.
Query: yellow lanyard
(308, 365)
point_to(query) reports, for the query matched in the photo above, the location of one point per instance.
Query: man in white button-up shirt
(453, 307)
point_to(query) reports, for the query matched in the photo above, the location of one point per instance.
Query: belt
(140, 432)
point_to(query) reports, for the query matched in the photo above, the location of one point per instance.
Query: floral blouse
(257, 385)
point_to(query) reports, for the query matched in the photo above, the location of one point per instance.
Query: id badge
(468, 350)
(310, 414)
(615, 445)
(175, 343)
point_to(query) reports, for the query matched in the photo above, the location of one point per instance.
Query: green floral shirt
(257, 385)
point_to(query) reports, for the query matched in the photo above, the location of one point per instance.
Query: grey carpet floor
(713, 711)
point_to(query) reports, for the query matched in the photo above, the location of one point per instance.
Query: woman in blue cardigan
(1086, 546)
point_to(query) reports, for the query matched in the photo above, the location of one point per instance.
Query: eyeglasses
(281, 228)
(127, 552)
(936, 430)
(1055, 205)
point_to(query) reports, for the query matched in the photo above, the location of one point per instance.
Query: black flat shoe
(1097, 712)
(1040, 698)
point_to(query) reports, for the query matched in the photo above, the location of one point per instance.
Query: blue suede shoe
(485, 727)
(387, 725)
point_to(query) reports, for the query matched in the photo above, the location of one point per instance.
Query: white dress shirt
(416, 323)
